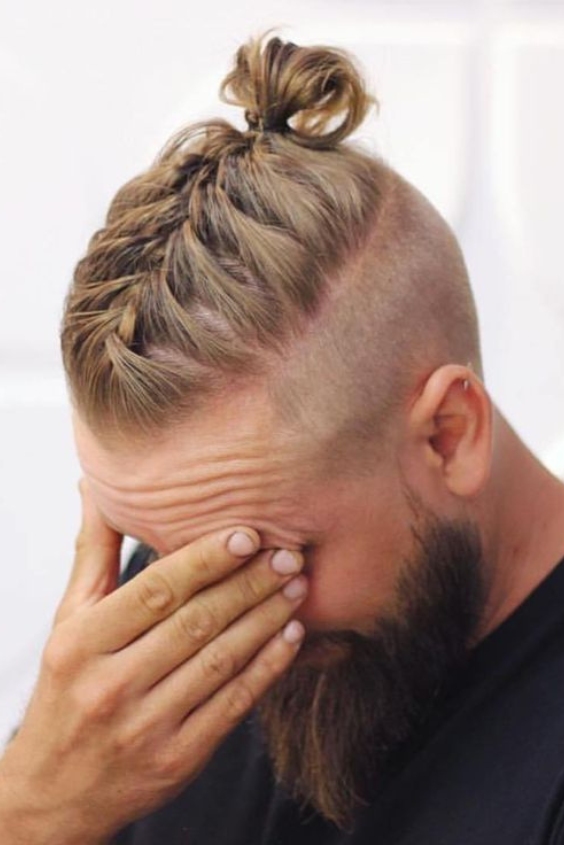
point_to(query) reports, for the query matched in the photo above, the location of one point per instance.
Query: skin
(217, 472)
(450, 447)
(139, 686)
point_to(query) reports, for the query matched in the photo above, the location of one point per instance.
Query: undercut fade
(263, 254)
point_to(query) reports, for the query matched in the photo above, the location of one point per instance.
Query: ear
(452, 422)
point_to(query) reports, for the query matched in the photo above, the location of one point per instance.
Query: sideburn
(333, 728)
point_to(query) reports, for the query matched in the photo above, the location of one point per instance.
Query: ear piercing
(466, 381)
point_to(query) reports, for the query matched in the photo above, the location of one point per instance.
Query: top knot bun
(277, 82)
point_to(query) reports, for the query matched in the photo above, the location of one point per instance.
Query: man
(274, 361)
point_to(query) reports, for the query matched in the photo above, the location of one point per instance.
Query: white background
(471, 112)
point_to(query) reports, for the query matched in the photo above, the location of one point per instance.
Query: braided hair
(211, 261)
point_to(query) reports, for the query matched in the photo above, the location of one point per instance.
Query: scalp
(398, 309)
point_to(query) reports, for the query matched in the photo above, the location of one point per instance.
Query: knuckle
(170, 766)
(218, 663)
(154, 592)
(269, 667)
(240, 700)
(95, 703)
(58, 655)
(202, 564)
(134, 737)
(197, 623)
(252, 590)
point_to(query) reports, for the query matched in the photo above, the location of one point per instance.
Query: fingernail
(241, 544)
(294, 632)
(295, 589)
(284, 562)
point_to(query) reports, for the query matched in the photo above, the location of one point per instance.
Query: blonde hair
(214, 263)
(221, 249)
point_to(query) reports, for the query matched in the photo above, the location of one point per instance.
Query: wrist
(23, 821)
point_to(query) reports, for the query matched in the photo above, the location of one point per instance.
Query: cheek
(352, 580)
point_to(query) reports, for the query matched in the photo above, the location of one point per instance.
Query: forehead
(229, 466)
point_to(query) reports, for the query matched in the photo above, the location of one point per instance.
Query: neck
(525, 503)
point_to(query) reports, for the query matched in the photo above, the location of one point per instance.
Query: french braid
(220, 252)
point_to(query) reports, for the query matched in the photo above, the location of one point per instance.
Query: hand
(138, 686)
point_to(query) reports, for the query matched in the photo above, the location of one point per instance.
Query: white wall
(471, 96)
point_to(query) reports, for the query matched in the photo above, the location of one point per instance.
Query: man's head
(275, 329)
(280, 256)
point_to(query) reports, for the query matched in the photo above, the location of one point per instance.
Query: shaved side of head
(399, 309)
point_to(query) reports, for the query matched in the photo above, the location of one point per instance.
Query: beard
(337, 720)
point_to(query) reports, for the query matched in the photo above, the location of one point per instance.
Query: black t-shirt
(488, 769)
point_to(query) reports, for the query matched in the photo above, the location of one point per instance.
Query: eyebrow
(311, 539)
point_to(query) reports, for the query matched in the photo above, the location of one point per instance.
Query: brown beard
(335, 722)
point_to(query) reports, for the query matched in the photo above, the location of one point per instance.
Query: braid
(217, 255)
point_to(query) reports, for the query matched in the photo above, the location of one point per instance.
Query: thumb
(95, 570)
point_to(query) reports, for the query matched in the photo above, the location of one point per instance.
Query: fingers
(206, 727)
(95, 570)
(165, 586)
(156, 654)
(215, 665)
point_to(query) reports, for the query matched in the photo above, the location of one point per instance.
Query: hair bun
(277, 82)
